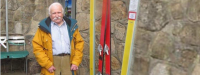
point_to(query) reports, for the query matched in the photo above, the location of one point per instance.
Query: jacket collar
(48, 21)
(45, 24)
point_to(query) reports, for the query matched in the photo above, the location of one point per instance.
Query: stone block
(140, 66)
(120, 31)
(115, 64)
(162, 46)
(118, 10)
(160, 69)
(193, 11)
(83, 21)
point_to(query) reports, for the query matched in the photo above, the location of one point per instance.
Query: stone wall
(166, 40)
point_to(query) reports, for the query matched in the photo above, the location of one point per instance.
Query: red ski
(104, 46)
(107, 48)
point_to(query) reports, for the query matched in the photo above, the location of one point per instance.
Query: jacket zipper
(73, 27)
(71, 32)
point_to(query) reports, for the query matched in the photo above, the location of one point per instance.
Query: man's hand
(74, 67)
(51, 69)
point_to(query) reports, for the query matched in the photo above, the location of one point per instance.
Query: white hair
(53, 4)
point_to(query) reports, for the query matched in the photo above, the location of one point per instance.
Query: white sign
(132, 16)
(133, 5)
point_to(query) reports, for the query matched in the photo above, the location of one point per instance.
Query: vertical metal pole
(73, 10)
(7, 49)
(132, 53)
(0, 33)
(26, 66)
(130, 35)
(92, 37)
(11, 65)
(0, 30)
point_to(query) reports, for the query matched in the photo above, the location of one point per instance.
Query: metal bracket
(106, 48)
(100, 48)
(98, 73)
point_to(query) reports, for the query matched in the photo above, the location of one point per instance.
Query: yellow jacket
(42, 44)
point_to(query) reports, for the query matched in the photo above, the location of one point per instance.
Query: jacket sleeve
(39, 52)
(78, 45)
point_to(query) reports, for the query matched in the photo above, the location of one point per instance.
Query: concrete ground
(16, 73)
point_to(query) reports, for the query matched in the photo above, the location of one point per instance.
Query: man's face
(56, 14)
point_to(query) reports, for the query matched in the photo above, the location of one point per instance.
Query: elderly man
(57, 44)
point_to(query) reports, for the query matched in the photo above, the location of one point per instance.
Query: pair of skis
(104, 47)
